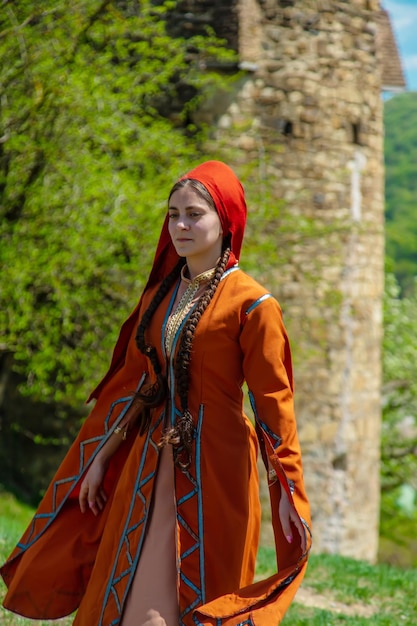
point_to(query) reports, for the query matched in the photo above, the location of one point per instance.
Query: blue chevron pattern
(196, 535)
(132, 526)
(41, 521)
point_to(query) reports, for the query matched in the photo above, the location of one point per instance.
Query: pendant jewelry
(185, 305)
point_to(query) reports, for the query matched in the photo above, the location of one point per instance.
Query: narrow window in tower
(356, 133)
(287, 128)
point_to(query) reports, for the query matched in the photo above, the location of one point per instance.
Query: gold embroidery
(185, 304)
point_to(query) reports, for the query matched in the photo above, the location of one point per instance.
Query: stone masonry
(308, 113)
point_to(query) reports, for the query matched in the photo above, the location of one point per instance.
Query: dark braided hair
(183, 432)
(155, 393)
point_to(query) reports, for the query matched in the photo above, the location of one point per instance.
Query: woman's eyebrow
(191, 207)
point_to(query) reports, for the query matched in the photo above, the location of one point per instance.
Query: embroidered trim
(276, 438)
(124, 556)
(198, 623)
(253, 306)
(257, 302)
(185, 304)
(197, 534)
(42, 521)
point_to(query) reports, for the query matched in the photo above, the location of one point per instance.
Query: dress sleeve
(269, 376)
(268, 371)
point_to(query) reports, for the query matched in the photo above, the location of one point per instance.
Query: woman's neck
(196, 267)
(201, 279)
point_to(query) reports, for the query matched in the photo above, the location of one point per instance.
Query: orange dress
(67, 560)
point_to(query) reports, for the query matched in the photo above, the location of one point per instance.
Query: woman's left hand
(92, 495)
(287, 514)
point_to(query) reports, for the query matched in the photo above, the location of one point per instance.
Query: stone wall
(309, 114)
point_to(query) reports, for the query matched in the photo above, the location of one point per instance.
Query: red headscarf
(229, 198)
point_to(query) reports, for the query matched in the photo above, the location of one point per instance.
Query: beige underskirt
(153, 596)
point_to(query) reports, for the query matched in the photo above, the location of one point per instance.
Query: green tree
(86, 160)
(399, 428)
(400, 117)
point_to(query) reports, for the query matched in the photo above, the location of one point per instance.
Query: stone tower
(308, 112)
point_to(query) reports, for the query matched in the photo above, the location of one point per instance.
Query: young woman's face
(194, 227)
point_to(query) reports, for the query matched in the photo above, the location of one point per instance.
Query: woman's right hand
(92, 495)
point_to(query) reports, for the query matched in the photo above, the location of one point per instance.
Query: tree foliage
(400, 115)
(399, 427)
(400, 387)
(87, 156)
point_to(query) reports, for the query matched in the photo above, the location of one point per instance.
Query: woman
(153, 517)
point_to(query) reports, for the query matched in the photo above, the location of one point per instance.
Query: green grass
(14, 517)
(336, 590)
(353, 592)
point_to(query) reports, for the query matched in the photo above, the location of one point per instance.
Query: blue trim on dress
(171, 381)
(198, 534)
(276, 439)
(124, 544)
(166, 318)
(229, 271)
(195, 483)
(257, 302)
(32, 535)
(247, 622)
(200, 503)
(171, 375)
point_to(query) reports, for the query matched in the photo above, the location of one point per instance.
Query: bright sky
(403, 14)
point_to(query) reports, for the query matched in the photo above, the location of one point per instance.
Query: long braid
(183, 433)
(153, 394)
